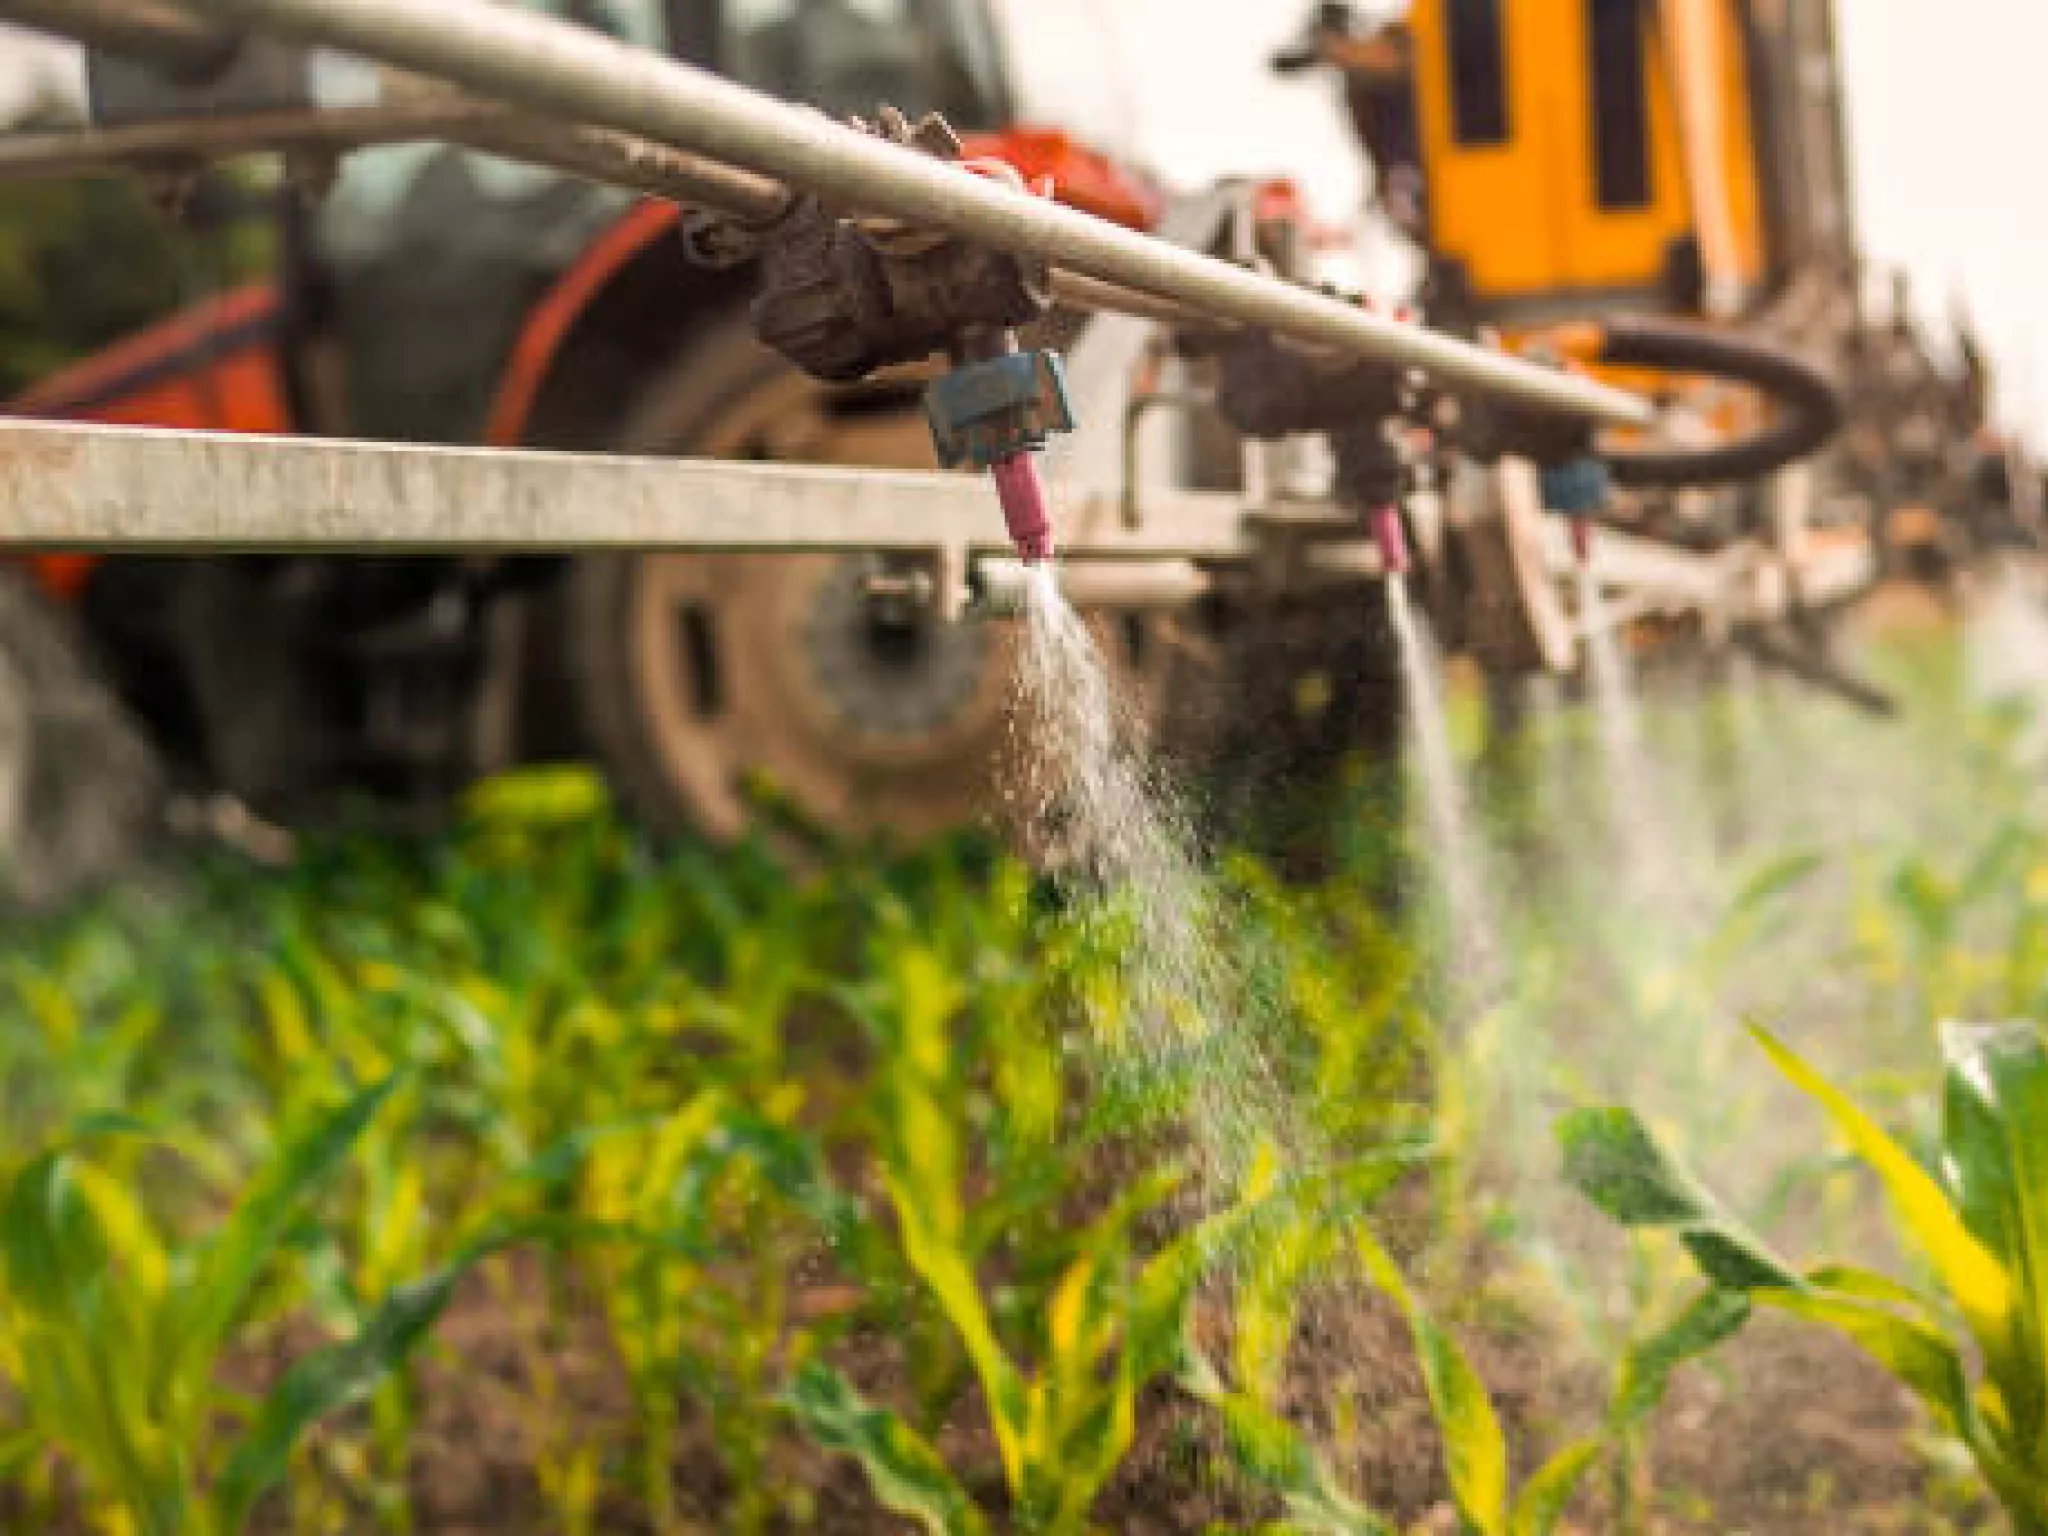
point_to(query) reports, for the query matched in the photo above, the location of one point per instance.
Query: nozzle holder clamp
(845, 297)
(1577, 488)
(992, 409)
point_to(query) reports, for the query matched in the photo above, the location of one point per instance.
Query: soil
(1790, 1432)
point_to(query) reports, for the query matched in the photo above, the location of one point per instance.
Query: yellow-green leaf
(1968, 1270)
(1475, 1449)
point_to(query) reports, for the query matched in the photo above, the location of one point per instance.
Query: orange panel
(214, 367)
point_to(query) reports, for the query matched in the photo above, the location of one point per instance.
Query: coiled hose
(1810, 408)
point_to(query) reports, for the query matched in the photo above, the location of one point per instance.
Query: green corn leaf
(795, 1168)
(1969, 1271)
(1475, 1449)
(1995, 1143)
(553, 1169)
(1542, 1502)
(321, 1384)
(1926, 898)
(1749, 912)
(1611, 1158)
(1779, 878)
(1917, 1355)
(906, 1473)
(235, 1258)
(1646, 1369)
(82, 1346)
(1273, 1451)
(946, 1271)
(55, 1249)
(1867, 1285)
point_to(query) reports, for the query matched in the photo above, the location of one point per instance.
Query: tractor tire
(81, 790)
(697, 681)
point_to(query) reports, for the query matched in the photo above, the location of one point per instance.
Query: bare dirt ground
(1788, 1433)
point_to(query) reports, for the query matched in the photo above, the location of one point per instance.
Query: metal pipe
(1093, 295)
(572, 72)
(623, 160)
(999, 588)
(151, 31)
(164, 34)
(68, 485)
(139, 146)
(157, 33)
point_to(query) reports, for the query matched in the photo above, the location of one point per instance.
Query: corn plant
(1975, 1352)
(1115, 1321)
(1277, 1454)
(117, 1331)
(1060, 1431)
(688, 1228)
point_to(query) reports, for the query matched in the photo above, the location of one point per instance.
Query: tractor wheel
(696, 677)
(80, 787)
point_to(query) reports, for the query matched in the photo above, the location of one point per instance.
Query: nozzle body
(1021, 490)
(1578, 489)
(1391, 539)
(1582, 541)
(994, 408)
(995, 412)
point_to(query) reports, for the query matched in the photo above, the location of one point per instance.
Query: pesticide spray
(1470, 965)
(1125, 850)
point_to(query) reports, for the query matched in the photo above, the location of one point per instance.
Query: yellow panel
(1524, 217)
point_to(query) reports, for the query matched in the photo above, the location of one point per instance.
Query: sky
(1946, 117)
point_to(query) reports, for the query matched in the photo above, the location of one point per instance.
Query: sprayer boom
(571, 75)
(873, 247)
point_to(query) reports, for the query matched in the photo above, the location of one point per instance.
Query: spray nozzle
(1021, 491)
(993, 412)
(1391, 539)
(1577, 489)
(1582, 541)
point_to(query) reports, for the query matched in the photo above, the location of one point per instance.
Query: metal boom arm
(585, 79)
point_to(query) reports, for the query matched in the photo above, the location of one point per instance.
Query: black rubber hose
(1810, 408)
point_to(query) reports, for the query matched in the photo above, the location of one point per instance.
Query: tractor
(434, 294)
(1578, 177)
(1594, 192)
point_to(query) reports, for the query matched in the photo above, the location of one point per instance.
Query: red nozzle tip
(1392, 540)
(1022, 495)
(1582, 540)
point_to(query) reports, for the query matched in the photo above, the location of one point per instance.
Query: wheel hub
(888, 671)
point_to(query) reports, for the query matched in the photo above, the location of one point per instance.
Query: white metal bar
(575, 73)
(1743, 583)
(141, 489)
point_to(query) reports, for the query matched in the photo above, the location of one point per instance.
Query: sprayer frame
(563, 96)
